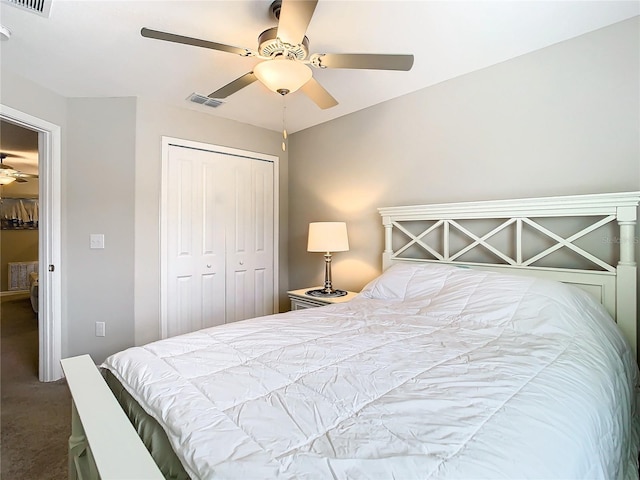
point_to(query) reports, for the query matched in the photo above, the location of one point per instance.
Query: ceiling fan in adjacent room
(285, 53)
(8, 174)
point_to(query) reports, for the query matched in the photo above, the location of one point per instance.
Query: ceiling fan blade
(4, 166)
(170, 37)
(318, 94)
(4, 155)
(233, 87)
(295, 16)
(370, 61)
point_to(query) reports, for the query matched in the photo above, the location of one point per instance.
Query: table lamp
(327, 237)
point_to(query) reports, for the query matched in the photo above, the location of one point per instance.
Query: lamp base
(325, 293)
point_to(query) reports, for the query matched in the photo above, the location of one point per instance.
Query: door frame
(49, 241)
(164, 202)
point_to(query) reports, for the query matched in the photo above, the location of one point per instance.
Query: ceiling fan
(285, 53)
(8, 174)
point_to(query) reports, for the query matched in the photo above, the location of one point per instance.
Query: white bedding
(431, 372)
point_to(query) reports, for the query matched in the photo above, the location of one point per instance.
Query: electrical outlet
(100, 329)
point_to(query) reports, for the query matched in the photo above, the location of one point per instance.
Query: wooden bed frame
(103, 443)
(97, 418)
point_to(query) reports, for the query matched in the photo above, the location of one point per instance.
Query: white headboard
(613, 285)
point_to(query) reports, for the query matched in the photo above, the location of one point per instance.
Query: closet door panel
(195, 267)
(251, 237)
(213, 242)
(239, 259)
(263, 234)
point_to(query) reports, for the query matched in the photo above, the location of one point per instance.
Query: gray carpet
(35, 417)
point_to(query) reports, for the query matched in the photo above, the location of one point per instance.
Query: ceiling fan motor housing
(269, 45)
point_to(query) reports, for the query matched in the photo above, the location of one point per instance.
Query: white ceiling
(93, 48)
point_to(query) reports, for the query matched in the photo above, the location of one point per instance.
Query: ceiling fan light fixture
(6, 180)
(282, 75)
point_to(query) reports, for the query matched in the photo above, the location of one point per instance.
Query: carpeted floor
(35, 417)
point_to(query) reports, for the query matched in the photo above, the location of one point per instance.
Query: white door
(250, 241)
(219, 239)
(196, 247)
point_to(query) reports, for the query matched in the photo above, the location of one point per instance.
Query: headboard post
(626, 278)
(388, 235)
(627, 220)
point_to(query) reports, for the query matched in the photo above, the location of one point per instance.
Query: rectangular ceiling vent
(39, 7)
(206, 101)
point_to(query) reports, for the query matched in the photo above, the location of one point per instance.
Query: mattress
(431, 372)
(149, 430)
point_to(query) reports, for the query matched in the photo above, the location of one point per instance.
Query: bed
(440, 368)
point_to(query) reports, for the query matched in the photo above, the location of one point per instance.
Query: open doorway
(49, 244)
(19, 219)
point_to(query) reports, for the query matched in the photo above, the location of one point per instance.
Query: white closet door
(196, 244)
(220, 239)
(250, 289)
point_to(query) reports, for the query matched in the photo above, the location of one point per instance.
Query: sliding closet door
(220, 239)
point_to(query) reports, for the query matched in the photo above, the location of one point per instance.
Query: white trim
(49, 236)
(164, 195)
(569, 206)
(615, 287)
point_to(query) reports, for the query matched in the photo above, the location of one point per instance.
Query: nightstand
(299, 299)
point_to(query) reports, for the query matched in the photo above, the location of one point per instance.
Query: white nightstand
(299, 299)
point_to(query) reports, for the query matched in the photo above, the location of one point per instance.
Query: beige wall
(16, 246)
(21, 190)
(559, 121)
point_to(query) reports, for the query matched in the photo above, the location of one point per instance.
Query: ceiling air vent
(39, 7)
(206, 101)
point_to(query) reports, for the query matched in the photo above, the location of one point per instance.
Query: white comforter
(431, 372)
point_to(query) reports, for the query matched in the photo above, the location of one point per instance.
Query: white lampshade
(282, 74)
(5, 180)
(328, 237)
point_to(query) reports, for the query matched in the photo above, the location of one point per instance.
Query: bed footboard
(103, 443)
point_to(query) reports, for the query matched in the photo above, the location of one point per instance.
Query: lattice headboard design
(508, 229)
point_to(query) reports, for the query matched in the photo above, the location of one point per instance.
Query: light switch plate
(96, 240)
(100, 329)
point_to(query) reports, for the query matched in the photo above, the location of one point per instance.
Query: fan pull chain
(284, 127)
